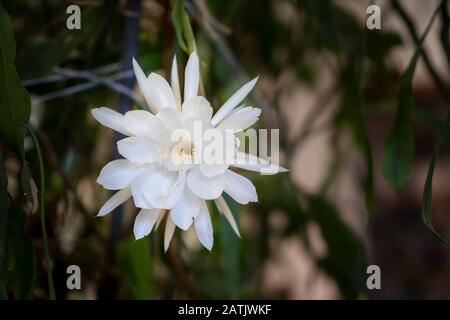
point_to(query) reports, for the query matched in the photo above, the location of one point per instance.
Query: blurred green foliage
(264, 43)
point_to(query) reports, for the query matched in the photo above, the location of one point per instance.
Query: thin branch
(110, 83)
(80, 87)
(441, 85)
(59, 77)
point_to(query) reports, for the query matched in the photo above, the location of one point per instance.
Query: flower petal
(240, 188)
(186, 208)
(198, 108)
(144, 222)
(139, 188)
(211, 170)
(119, 174)
(116, 200)
(207, 188)
(110, 119)
(168, 233)
(157, 188)
(191, 77)
(138, 122)
(240, 119)
(251, 162)
(233, 101)
(225, 210)
(138, 149)
(203, 227)
(161, 93)
(175, 83)
(144, 86)
(171, 119)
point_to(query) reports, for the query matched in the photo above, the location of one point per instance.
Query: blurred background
(336, 90)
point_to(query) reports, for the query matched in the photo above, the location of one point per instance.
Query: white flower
(160, 173)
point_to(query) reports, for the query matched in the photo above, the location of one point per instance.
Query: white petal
(138, 122)
(211, 170)
(110, 119)
(225, 210)
(138, 149)
(139, 188)
(168, 233)
(205, 187)
(203, 227)
(144, 86)
(191, 77)
(144, 222)
(116, 200)
(233, 101)
(251, 162)
(171, 119)
(240, 188)
(158, 188)
(240, 119)
(160, 92)
(186, 208)
(167, 191)
(175, 83)
(118, 174)
(198, 108)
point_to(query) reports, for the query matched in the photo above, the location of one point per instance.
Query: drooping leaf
(136, 266)
(399, 152)
(428, 188)
(4, 208)
(183, 29)
(15, 105)
(21, 256)
(345, 260)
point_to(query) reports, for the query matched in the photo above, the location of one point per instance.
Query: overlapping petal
(110, 119)
(119, 174)
(203, 227)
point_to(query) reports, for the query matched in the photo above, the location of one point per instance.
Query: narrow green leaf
(183, 29)
(21, 256)
(51, 287)
(136, 266)
(427, 190)
(15, 106)
(4, 208)
(399, 152)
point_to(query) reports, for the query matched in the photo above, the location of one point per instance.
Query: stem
(51, 287)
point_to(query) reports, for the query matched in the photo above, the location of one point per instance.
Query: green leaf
(21, 256)
(15, 105)
(183, 29)
(427, 190)
(4, 208)
(399, 152)
(345, 260)
(136, 266)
